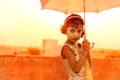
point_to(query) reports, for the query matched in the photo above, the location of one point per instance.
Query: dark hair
(75, 20)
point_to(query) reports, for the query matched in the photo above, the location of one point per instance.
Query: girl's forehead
(79, 26)
(75, 28)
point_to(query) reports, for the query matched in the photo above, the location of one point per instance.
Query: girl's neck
(70, 42)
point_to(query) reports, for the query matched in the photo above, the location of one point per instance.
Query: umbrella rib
(68, 3)
(96, 6)
(44, 2)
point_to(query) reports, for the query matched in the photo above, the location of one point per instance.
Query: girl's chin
(74, 41)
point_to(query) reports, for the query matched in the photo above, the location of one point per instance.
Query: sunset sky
(23, 23)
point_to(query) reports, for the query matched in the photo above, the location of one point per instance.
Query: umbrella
(68, 6)
(75, 6)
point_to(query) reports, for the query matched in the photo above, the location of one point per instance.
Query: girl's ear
(63, 29)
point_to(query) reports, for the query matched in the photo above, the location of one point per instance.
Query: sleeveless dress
(85, 72)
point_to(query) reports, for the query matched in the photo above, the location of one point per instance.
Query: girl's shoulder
(64, 49)
(72, 48)
(68, 45)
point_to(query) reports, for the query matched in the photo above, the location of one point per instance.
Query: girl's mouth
(75, 39)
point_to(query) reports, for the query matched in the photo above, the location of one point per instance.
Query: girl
(75, 55)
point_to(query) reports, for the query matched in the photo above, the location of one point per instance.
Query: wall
(52, 68)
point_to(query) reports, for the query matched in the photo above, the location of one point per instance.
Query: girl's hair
(73, 19)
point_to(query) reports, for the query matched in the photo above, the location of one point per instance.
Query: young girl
(75, 55)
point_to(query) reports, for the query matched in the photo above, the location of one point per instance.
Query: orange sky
(23, 23)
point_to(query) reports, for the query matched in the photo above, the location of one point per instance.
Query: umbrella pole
(84, 7)
(84, 19)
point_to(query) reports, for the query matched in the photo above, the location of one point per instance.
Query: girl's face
(74, 33)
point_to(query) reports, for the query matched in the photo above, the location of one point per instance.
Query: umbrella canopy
(74, 6)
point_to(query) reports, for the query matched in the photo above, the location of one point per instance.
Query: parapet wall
(52, 68)
(106, 68)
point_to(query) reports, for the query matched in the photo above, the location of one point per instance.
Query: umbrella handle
(93, 43)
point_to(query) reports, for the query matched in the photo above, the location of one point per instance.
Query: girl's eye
(72, 30)
(79, 31)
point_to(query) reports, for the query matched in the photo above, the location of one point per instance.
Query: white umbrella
(75, 6)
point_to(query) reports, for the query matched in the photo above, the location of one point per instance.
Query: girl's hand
(85, 45)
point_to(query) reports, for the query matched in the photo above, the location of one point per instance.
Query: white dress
(85, 72)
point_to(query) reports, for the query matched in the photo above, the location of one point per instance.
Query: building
(51, 47)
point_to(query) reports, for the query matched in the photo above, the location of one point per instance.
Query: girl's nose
(76, 34)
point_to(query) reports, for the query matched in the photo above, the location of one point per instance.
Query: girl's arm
(69, 55)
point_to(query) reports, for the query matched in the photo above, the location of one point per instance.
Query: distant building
(50, 47)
